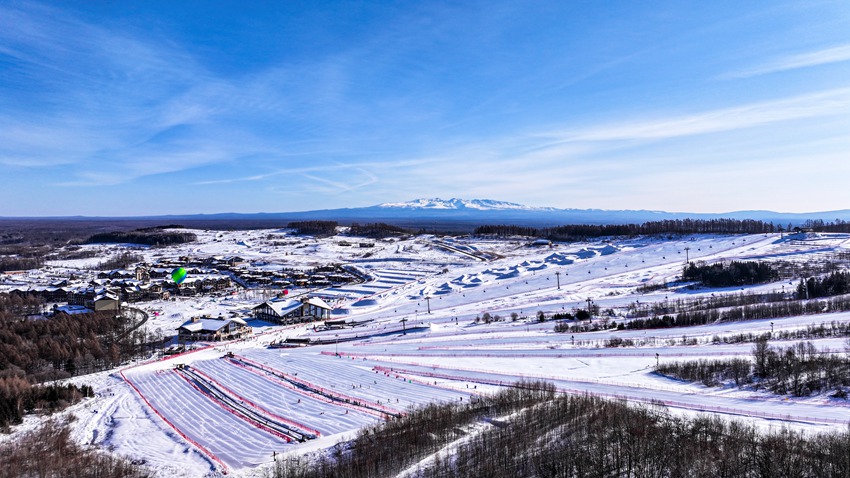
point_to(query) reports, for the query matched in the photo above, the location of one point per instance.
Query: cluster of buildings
(278, 311)
(108, 290)
(246, 274)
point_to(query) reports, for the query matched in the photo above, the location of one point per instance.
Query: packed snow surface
(419, 341)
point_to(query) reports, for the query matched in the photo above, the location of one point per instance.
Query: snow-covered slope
(452, 356)
(457, 203)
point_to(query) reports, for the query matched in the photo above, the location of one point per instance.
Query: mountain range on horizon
(489, 211)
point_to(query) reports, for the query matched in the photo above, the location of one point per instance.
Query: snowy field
(366, 374)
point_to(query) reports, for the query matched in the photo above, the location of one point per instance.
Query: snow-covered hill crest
(457, 203)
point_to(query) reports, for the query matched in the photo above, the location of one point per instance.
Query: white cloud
(824, 103)
(826, 56)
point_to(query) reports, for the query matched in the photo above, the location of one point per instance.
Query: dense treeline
(576, 232)
(812, 331)
(149, 237)
(73, 252)
(584, 436)
(818, 225)
(22, 257)
(38, 350)
(506, 230)
(710, 372)
(387, 449)
(648, 309)
(49, 452)
(314, 228)
(18, 397)
(837, 283)
(120, 261)
(799, 370)
(376, 230)
(781, 270)
(734, 273)
(20, 263)
(64, 345)
(749, 312)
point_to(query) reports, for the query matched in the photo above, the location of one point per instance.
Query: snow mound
(586, 254)
(609, 249)
(444, 288)
(558, 259)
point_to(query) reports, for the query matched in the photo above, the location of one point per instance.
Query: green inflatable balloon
(178, 275)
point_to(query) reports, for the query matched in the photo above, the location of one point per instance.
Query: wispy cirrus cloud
(119, 104)
(819, 104)
(837, 54)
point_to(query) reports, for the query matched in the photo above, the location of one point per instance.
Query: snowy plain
(179, 431)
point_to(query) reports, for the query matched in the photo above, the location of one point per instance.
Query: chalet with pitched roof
(293, 311)
(212, 330)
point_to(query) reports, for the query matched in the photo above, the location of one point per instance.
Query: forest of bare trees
(376, 230)
(799, 370)
(314, 228)
(49, 452)
(558, 435)
(33, 351)
(729, 274)
(577, 232)
(150, 237)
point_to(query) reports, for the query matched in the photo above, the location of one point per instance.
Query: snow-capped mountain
(456, 204)
(465, 213)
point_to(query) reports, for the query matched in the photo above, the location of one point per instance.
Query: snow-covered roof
(282, 307)
(318, 302)
(209, 325)
(73, 309)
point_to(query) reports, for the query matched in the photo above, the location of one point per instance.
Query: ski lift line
(221, 403)
(299, 427)
(215, 459)
(669, 403)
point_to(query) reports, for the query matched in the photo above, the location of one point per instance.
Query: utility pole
(589, 301)
(686, 255)
(428, 300)
(558, 278)
(403, 326)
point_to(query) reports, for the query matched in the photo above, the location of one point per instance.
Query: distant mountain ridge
(429, 213)
(457, 204)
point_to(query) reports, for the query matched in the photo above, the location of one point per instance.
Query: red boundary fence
(230, 409)
(389, 371)
(197, 445)
(341, 399)
(256, 407)
(272, 378)
(540, 355)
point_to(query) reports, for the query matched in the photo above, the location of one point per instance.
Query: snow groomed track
(224, 405)
(208, 424)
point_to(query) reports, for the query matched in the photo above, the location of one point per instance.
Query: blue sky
(162, 107)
